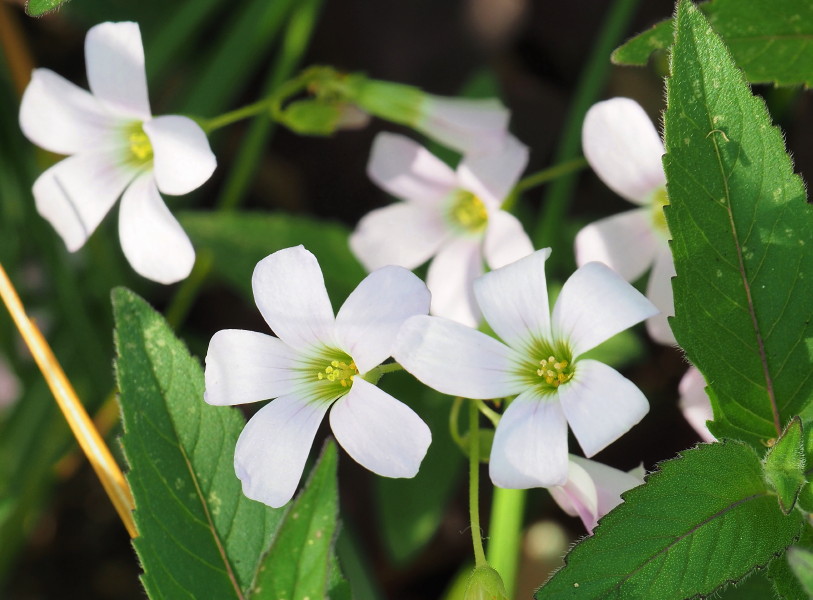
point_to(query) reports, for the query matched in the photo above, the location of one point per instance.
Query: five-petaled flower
(541, 359)
(454, 216)
(317, 361)
(117, 148)
(624, 149)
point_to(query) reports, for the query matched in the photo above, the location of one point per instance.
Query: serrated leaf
(305, 541)
(199, 536)
(702, 520)
(38, 8)
(240, 240)
(741, 237)
(771, 42)
(785, 465)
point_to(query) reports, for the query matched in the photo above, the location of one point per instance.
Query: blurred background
(59, 536)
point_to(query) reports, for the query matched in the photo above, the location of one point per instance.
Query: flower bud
(485, 584)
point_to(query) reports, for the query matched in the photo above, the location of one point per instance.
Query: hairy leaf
(785, 465)
(38, 8)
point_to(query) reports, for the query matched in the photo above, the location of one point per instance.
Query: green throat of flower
(659, 200)
(467, 212)
(549, 366)
(334, 374)
(140, 148)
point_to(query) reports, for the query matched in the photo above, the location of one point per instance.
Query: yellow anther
(139, 144)
(554, 372)
(468, 212)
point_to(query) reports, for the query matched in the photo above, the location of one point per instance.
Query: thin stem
(185, 296)
(80, 423)
(505, 533)
(251, 110)
(474, 486)
(374, 375)
(490, 414)
(542, 177)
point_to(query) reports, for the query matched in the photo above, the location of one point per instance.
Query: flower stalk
(474, 486)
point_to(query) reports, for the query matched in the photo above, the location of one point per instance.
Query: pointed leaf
(785, 465)
(636, 52)
(38, 8)
(741, 238)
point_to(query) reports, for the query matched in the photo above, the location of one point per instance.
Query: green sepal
(784, 465)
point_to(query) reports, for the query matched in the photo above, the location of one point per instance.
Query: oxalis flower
(317, 361)
(453, 216)
(540, 358)
(117, 148)
(624, 149)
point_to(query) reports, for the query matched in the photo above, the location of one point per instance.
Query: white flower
(453, 216)
(317, 361)
(468, 125)
(541, 359)
(624, 149)
(695, 403)
(593, 489)
(116, 147)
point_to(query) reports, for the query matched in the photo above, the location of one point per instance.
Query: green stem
(251, 110)
(188, 291)
(454, 416)
(505, 534)
(542, 177)
(474, 486)
(490, 414)
(549, 228)
(375, 374)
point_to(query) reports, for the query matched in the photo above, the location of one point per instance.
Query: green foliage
(741, 238)
(770, 42)
(38, 8)
(702, 520)
(785, 465)
(801, 563)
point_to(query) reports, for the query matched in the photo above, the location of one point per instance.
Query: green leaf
(772, 45)
(305, 541)
(240, 240)
(38, 8)
(199, 536)
(805, 499)
(741, 237)
(704, 519)
(801, 563)
(785, 465)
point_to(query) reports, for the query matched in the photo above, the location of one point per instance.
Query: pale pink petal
(491, 175)
(10, 387)
(624, 242)
(530, 444)
(659, 291)
(409, 171)
(466, 125)
(289, 290)
(695, 403)
(273, 447)
(379, 432)
(596, 303)
(63, 118)
(154, 242)
(404, 234)
(182, 158)
(75, 194)
(578, 497)
(456, 360)
(450, 277)
(624, 149)
(114, 56)
(370, 318)
(609, 484)
(514, 300)
(506, 240)
(245, 366)
(600, 404)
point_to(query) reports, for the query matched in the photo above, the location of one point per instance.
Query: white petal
(623, 147)
(183, 160)
(75, 194)
(492, 174)
(514, 300)
(370, 318)
(404, 234)
(273, 447)
(114, 56)
(578, 497)
(506, 240)
(659, 291)
(466, 125)
(290, 292)
(596, 303)
(61, 117)
(450, 278)
(379, 432)
(695, 404)
(455, 359)
(409, 171)
(624, 242)
(609, 483)
(601, 405)
(153, 241)
(530, 444)
(245, 366)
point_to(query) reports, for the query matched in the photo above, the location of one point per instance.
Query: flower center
(555, 372)
(468, 212)
(140, 146)
(339, 372)
(658, 201)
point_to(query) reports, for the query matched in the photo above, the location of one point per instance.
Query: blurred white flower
(695, 404)
(317, 360)
(624, 149)
(453, 216)
(539, 358)
(117, 148)
(467, 125)
(9, 385)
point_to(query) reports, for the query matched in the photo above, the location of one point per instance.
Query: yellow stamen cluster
(340, 372)
(553, 371)
(468, 212)
(140, 146)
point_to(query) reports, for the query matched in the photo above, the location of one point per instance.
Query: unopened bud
(485, 584)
